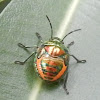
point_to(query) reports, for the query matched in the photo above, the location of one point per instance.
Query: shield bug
(51, 58)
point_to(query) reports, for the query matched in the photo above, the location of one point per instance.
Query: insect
(51, 58)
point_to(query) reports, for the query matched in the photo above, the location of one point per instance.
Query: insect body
(51, 58)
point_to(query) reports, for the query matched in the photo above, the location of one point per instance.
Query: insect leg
(22, 63)
(70, 44)
(65, 82)
(24, 47)
(78, 61)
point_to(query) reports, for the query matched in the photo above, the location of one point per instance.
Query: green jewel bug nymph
(51, 58)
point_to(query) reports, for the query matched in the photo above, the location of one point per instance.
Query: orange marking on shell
(50, 62)
(54, 50)
(64, 68)
(60, 73)
(48, 75)
(51, 69)
(40, 69)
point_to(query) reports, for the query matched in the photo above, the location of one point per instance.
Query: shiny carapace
(51, 58)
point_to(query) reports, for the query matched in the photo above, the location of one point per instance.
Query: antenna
(70, 33)
(50, 26)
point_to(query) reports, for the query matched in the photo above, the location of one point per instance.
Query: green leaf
(3, 4)
(19, 22)
(1, 0)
